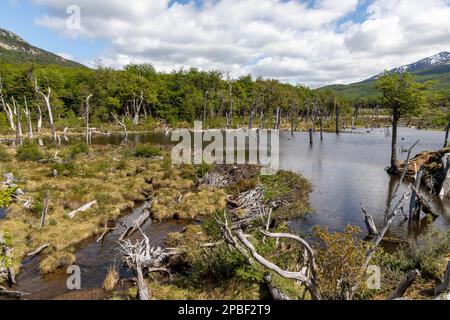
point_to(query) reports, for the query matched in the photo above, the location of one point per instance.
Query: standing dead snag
(88, 132)
(45, 208)
(122, 124)
(46, 97)
(18, 140)
(6, 107)
(415, 206)
(137, 105)
(447, 129)
(28, 118)
(39, 120)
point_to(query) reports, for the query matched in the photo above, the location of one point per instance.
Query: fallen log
(445, 286)
(84, 208)
(146, 212)
(12, 294)
(38, 251)
(404, 285)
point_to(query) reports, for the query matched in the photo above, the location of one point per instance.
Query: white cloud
(290, 40)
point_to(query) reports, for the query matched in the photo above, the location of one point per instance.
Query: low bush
(147, 151)
(29, 151)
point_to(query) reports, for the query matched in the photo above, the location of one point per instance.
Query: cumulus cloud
(314, 43)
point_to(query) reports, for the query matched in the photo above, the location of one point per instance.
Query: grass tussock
(111, 280)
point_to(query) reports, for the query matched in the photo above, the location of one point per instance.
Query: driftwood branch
(84, 208)
(12, 294)
(139, 222)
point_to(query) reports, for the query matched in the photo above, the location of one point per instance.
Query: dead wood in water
(445, 286)
(11, 294)
(146, 212)
(38, 251)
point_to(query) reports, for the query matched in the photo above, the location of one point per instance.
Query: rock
(19, 192)
(9, 179)
(2, 240)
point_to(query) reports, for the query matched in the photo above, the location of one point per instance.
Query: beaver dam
(138, 209)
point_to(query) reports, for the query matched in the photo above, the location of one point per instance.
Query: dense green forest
(139, 92)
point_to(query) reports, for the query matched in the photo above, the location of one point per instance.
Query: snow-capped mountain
(438, 60)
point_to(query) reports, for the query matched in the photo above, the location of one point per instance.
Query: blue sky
(313, 42)
(19, 17)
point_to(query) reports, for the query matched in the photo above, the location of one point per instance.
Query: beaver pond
(346, 170)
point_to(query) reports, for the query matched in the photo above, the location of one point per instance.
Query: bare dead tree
(447, 129)
(88, 133)
(6, 107)
(122, 124)
(27, 113)
(46, 96)
(39, 119)
(205, 106)
(252, 114)
(18, 140)
(137, 105)
(45, 208)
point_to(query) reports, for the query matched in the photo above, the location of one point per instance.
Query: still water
(346, 170)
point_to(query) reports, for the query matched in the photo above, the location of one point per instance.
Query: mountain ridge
(14, 49)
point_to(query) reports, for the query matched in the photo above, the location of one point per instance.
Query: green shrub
(147, 151)
(5, 197)
(427, 254)
(203, 169)
(81, 148)
(66, 169)
(29, 151)
(217, 264)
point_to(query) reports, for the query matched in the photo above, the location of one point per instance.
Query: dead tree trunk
(446, 136)
(46, 97)
(122, 124)
(45, 208)
(252, 114)
(137, 105)
(415, 206)
(18, 140)
(277, 120)
(28, 118)
(205, 106)
(311, 140)
(337, 118)
(39, 120)
(6, 108)
(88, 133)
(321, 126)
(404, 285)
